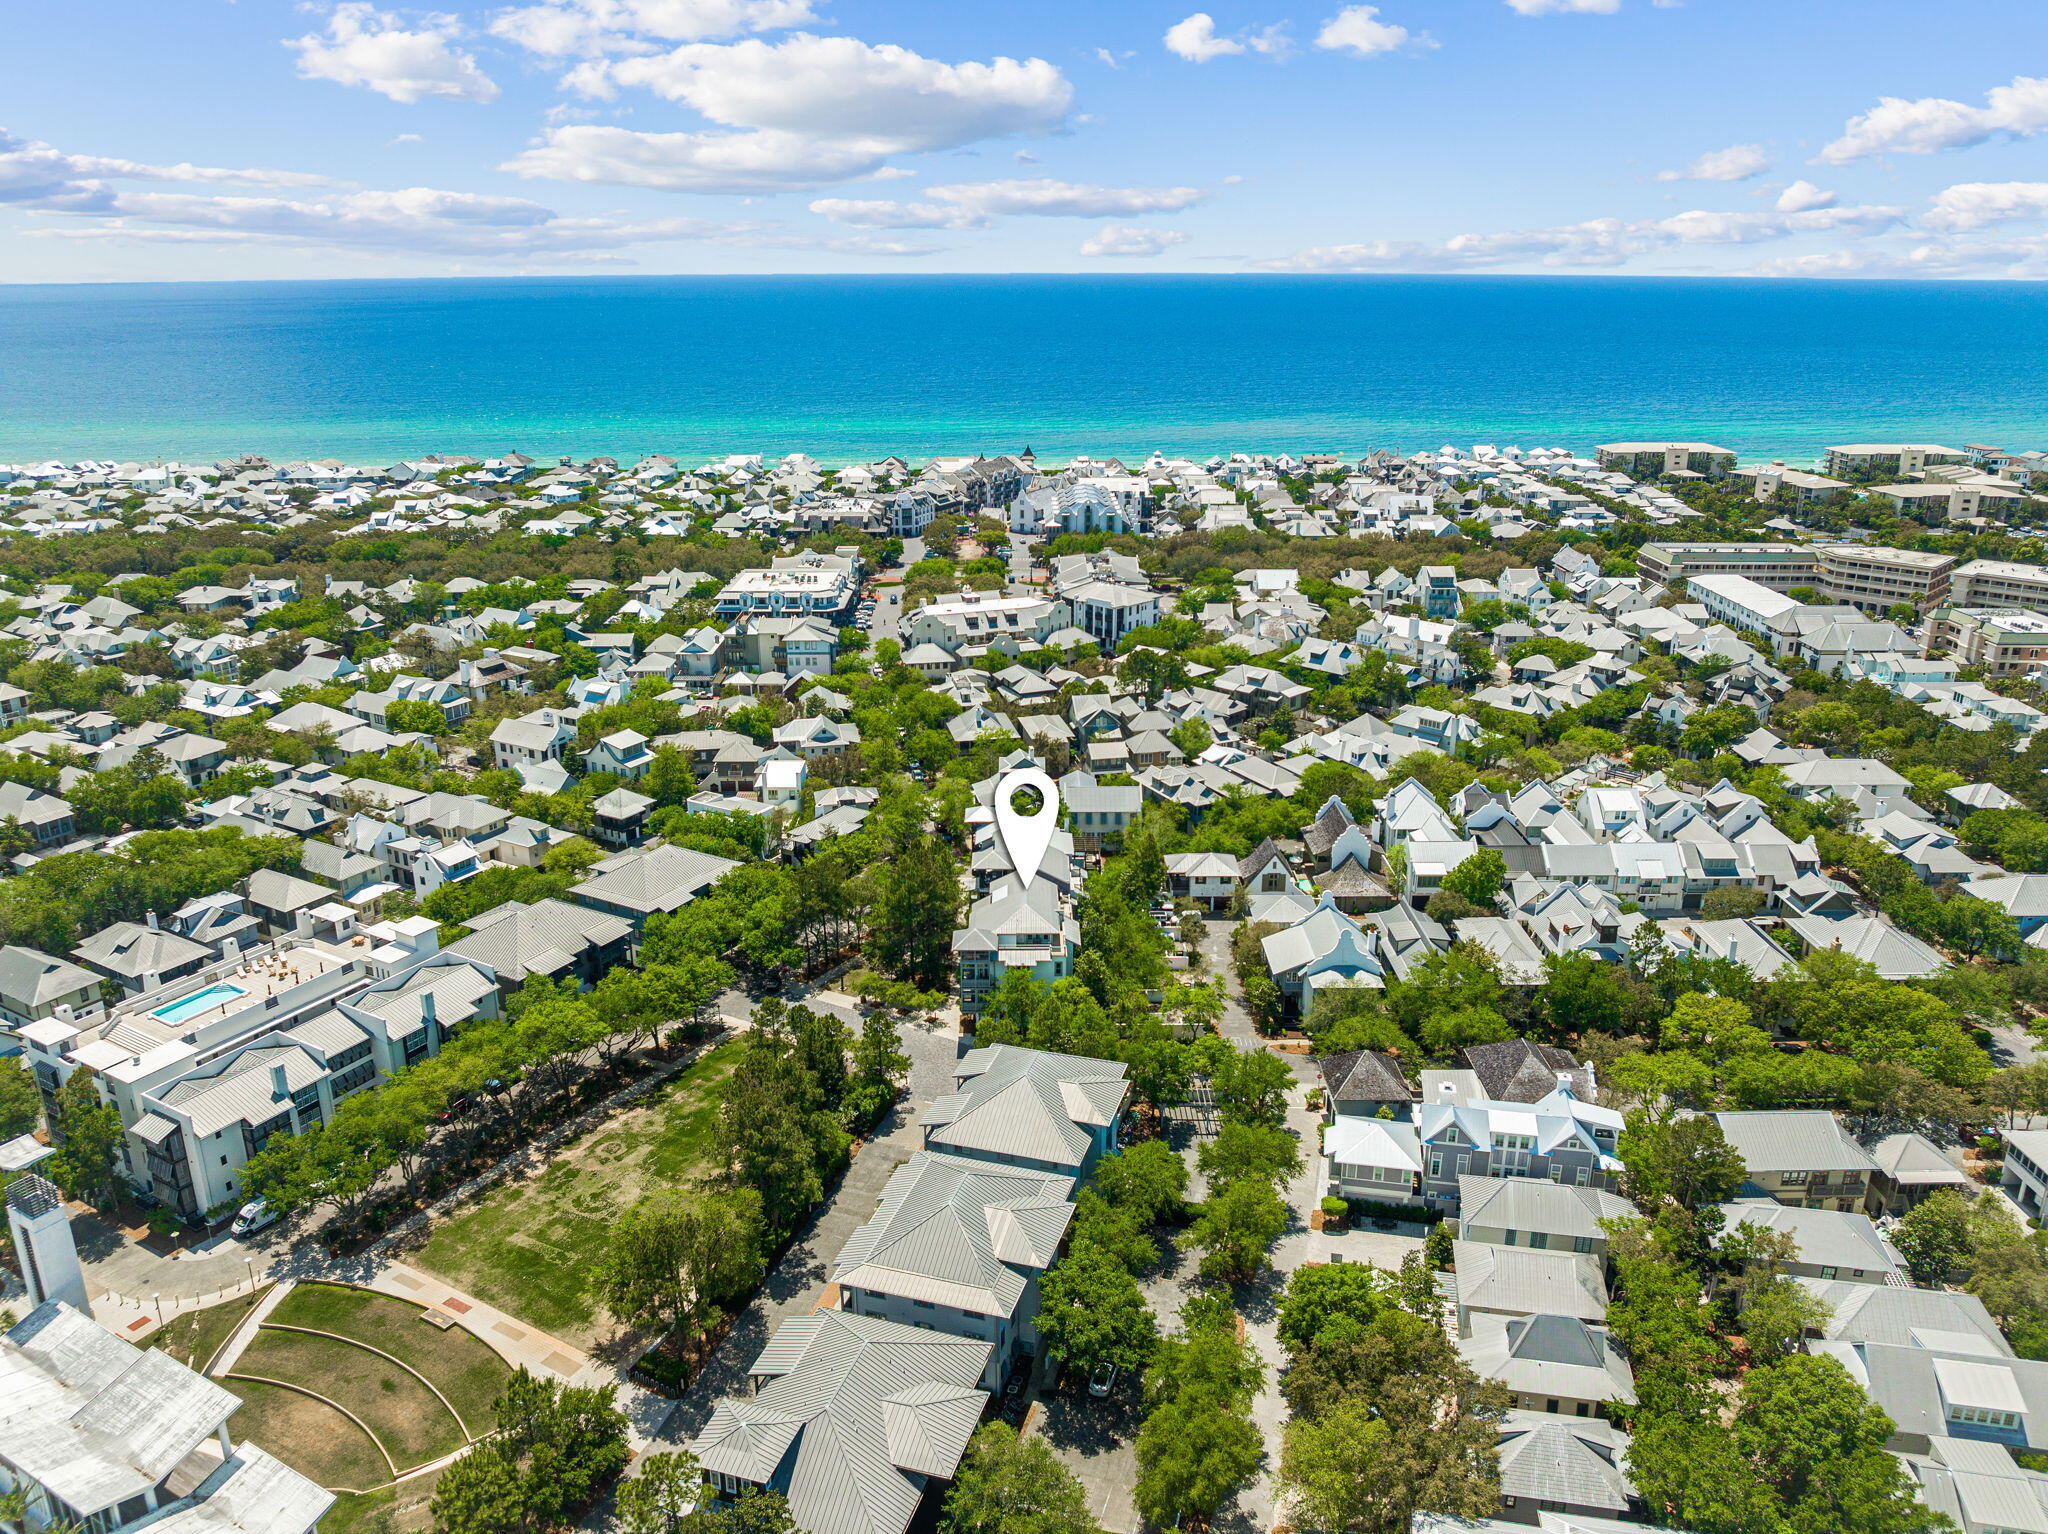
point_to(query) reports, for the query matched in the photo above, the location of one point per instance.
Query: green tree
(1250, 1086)
(1678, 1166)
(556, 1448)
(1192, 1458)
(1236, 1229)
(879, 1068)
(88, 1161)
(673, 1259)
(1091, 1312)
(1112, 1229)
(661, 1495)
(1478, 879)
(1934, 1237)
(1388, 1421)
(1318, 1293)
(1008, 1484)
(1150, 1179)
(21, 1105)
(407, 716)
(916, 914)
(1256, 1151)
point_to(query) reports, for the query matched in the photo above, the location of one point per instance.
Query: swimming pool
(198, 1002)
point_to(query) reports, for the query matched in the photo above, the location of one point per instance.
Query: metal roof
(856, 1414)
(957, 1232)
(94, 1419)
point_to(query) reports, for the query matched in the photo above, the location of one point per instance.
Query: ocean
(850, 368)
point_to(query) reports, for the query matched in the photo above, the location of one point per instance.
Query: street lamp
(158, 1301)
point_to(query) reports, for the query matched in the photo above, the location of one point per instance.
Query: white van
(252, 1217)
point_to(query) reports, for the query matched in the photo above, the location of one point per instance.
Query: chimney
(279, 1086)
(427, 1009)
(151, 915)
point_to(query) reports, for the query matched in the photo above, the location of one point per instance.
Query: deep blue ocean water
(855, 367)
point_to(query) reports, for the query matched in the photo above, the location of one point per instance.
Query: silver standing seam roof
(854, 1416)
(951, 1231)
(1551, 1356)
(1029, 1104)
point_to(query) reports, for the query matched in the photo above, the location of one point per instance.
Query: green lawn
(401, 1411)
(311, 1437)
(194, 1337)
(400, 1509)
(527, 1247)
(466, 1371)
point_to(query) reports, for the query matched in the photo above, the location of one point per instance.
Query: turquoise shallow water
(848, 368)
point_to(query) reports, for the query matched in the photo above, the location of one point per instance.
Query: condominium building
(1998, 583)
(1877, 578)
(810, 582)
(1899, 458)
(975, 619)
(1651, 460)
(1998, 641)
(1860, 575)
(1779, 566)
(1769, 480)
(1745, 605)
(204, 1070)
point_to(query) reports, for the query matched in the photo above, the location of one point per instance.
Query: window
(1983, 1416)
(1582, 1244)
(1582, 1176)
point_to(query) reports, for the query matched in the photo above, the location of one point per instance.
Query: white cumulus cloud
(1803, 197)
(1934, 123)
(1976, 204)
(1131, 240)
(802, 112)
(1738, 162)
(1357, 29)
(976, 205)
(561, 28)
(1195, 39)
(374, 50)
(1564, 7)
(30, 170)
(74, 191)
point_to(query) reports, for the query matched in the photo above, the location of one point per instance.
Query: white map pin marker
(1026, 837)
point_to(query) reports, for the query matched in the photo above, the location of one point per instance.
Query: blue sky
(209, 139)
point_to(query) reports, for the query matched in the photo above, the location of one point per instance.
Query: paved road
(797, 1282)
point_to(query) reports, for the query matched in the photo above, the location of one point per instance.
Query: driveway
(797, 1282)
(1237, 1023)
(1094, 1438)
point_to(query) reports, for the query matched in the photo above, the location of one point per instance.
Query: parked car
(1102, 1381)
(252, 1217)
